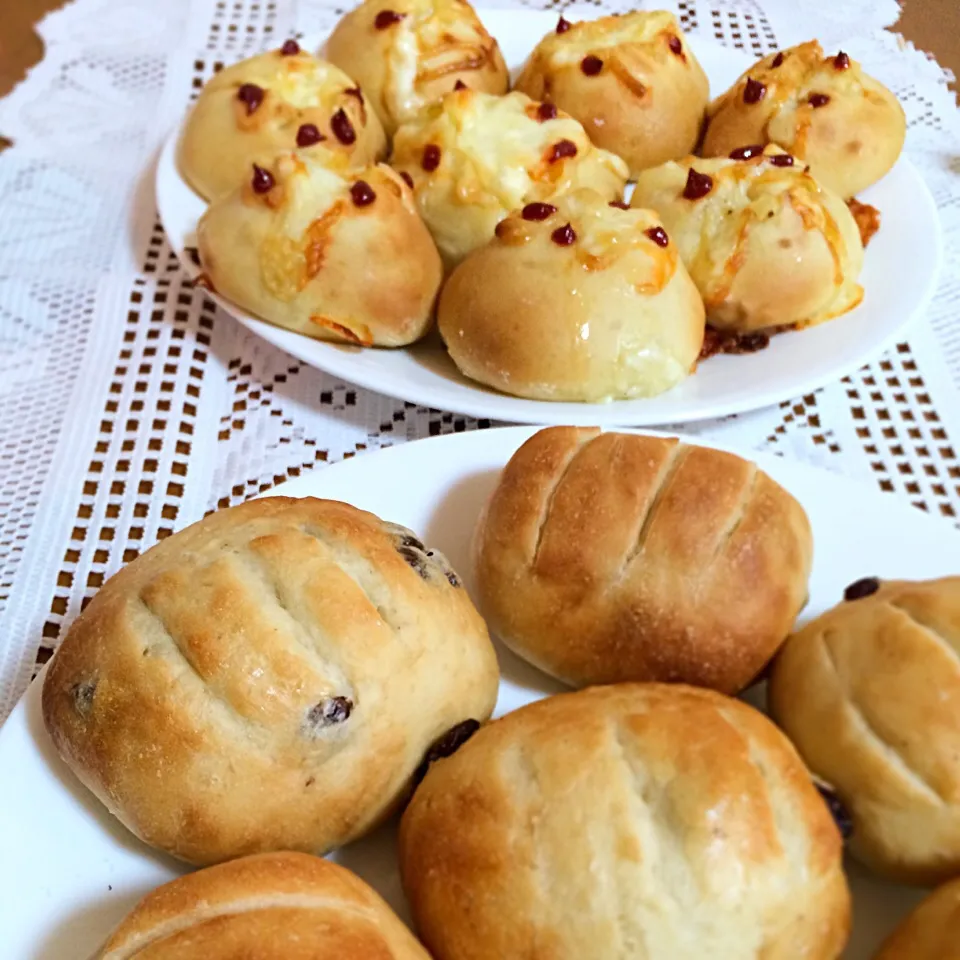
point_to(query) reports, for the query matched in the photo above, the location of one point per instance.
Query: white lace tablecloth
(129, 405)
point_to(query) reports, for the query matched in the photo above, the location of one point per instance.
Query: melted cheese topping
(494, 151)
(434, 38)
(300, 80)
(649, 31)
(746, 193)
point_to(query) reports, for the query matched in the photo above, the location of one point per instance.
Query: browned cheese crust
(278, 906)
(605, 557)
(268, 678)
(870, 694)
(636, 820)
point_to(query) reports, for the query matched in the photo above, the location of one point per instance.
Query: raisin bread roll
(931, 932)
(765, 243)
(870, 694)
(281, 100)
(408, 53)
(630, 79)
(269, 678)
(272, 906)
(474, 158)
(635, 820)
(332, 254)
(608, 309)
(826, 111)
(604, 557)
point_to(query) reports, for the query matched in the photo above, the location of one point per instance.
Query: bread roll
(332, 254)
(765, 243)
(870, 694)
(272, 906)
(270, 103)
(637, 820)
(931, 932)
(474, 158)
(630, 79)
(409, 53)
(825, 110)
(604, 557)
(608, 310)
(267, 679)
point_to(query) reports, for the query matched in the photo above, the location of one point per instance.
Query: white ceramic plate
(899, 274)
(69, 872)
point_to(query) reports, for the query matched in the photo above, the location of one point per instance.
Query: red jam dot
(563, 236)
(818, 100)
(658, 235)
(563, 25)
(777, 60)
(362, 194)
(407, 179)
(538, 211)
(675, 45)
(546, 111)
(619, 204)
(262, 180)
(561, 150)
(431, 157)
(754, 91)
(841, 61)
(342, 127)
(591, 65)
(290, 48)
(782, 160)
(698, 185)
(308, 135)
(745, 153)
(251, 95)
(387, 18)
(459, 85)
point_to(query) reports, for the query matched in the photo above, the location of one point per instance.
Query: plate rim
(481, 402)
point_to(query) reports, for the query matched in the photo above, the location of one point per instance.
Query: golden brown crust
(646, 101)
(870, 694)
(247, 684)
(623, 821)
(612, 314)
(850, 139)
(493, 155)
(767, 245)
(418, 57)
(605, 557)
(867, 218)
(278, 906)
(306, 256)
(223, 137)
(931, 932)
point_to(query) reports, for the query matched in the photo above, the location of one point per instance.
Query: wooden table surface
(933, 25)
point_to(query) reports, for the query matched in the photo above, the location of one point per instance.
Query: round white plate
(899, 275)
(69, 872)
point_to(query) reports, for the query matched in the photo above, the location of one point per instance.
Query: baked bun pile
(638, 820)
(474, 158)
(931, 932)
(269, 678)
(630, 79)
(824, 109)
(334, 254)
(608, 310)
(408, 53)
(277, 101)
(765, 243)
(870, 694)
(604, 557)
(279, 906)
